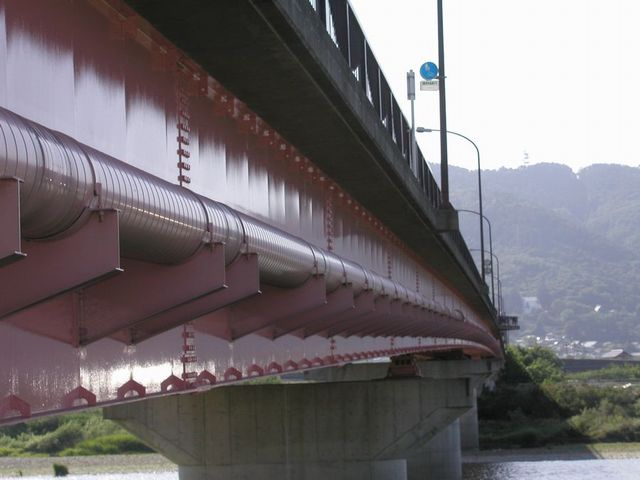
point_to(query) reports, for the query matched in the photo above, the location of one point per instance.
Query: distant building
(530, 304)
(589, 344)
(617, 354)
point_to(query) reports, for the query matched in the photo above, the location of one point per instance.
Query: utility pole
(444, 159)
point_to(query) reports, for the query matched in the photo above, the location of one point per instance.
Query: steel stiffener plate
(257, 313)
(363, 304)
(382, 312)
(10, 250)
(143, 289)
(242, 281)
(338, 301)
(53, 267)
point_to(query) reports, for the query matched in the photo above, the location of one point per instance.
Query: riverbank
(609, 451)
(11, 467)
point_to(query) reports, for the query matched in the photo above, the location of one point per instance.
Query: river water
(111, 476)
(556, 470)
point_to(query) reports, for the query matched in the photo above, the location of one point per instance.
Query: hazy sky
(558, 79)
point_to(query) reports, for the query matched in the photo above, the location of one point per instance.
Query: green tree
(534, 364)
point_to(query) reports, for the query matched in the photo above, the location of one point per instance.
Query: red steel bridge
(194, 193)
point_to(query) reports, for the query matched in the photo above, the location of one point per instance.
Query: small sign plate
(429, 85)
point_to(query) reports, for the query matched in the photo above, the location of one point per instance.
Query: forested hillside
(571, 240)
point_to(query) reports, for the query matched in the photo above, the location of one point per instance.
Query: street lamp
(444, 157)
(429, 130)
(493, 297)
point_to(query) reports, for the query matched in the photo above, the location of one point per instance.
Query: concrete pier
(373, 429)
(441, 457)
(469, 432)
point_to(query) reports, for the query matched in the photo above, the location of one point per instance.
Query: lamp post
(444, 159)
(429, 130)
(493, 296)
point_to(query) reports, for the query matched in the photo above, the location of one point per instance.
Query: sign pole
(444, 159)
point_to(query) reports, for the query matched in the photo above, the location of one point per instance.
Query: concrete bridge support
(379, 429)
(469, 432)
(440, 458)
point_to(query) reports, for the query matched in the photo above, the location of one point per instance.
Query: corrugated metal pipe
(159, 222)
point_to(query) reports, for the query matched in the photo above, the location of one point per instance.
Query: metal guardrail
(459, 241)
(342, 26)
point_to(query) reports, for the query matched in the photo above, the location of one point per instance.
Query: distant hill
(571, 240)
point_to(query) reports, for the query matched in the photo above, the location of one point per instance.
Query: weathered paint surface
(91, 70)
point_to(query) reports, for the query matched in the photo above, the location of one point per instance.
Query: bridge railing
(458, 240)
(342, 26)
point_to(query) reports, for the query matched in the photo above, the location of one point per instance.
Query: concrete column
(478, 372)
(308, 431)
(441, 459)
(469, 432)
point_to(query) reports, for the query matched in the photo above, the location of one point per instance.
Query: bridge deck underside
(101, 304)
(81, 326)
(277, 57)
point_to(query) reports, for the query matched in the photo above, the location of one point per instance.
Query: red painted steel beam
(10, 242)
(142, 290)
(363, 304)
(397, 325)
(432, 326)
(392, 320)
(257, 313)
(383, 308)
(338, 301)
(146, 289)
(53, 267)
(446, 327)
(410, 317)
(242, 281)
(425, 326)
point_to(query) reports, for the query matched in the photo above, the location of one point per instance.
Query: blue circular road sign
(428, 71)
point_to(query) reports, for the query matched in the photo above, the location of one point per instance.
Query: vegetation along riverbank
(536, 404)
(77, 434)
